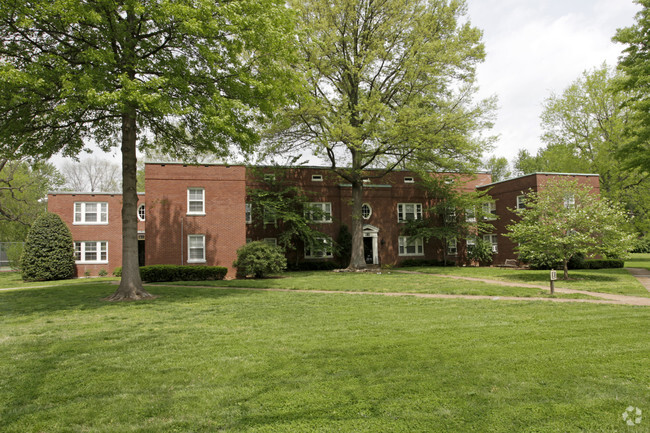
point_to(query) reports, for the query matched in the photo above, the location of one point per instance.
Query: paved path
(643, 275)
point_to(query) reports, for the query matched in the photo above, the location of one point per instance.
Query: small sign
(553, 275)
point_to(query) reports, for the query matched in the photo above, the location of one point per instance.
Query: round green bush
(481, 252)
(259, 259)
(49, 250)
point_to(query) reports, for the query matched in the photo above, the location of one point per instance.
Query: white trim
(202, 211)
(452, 247)
(79, 213)
(144, 217)
(521, 202)
(324, 212)
(190, 247)
(98, 251)
(401, 211)
(493, 240)
(409, 179)
(490, 211)
(372, 232)
(404, 242)
(325, 253)
(249, 213)
(316, 177)
(369, 211)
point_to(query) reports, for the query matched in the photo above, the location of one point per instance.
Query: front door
(368, 252)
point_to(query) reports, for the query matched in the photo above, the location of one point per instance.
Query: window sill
(411, 255)
(195, 214)
(104, 262)
(90, 224)
(196, 261)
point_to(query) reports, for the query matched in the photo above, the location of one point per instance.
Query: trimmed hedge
(314, 266)
(409, 263)
(164, 273)
(585, 264)
(49, 250)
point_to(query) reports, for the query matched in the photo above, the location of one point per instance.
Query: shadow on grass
(91, 296)
(573, 276)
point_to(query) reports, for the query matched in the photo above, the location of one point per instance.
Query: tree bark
(566, 270)
(357, 259)
(130, 285)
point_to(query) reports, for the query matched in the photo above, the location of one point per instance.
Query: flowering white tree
(565, 219)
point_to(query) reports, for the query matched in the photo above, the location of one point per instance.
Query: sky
(536, 48)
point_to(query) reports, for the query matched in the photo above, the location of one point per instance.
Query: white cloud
(536, 48)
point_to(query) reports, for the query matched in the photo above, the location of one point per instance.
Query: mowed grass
(638, 260)
(617, 281)
(13, 279)
(206, 360)
(382, 282)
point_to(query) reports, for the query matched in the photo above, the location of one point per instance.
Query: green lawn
(382, 282)
(618, 281)
(638, 260)
(13, 279)
(205, 360)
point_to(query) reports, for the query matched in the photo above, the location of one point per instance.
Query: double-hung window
(196, 248)
(521, 202)
(492, 239)
(91, 252)
(195, 201)
(319, 212)
(90, 213)
(320, 248)
(249, 213)
(452, 246)
(490, 211)
(409, 211)
(410, 246)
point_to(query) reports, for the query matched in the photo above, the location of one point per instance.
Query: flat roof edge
(547, 173)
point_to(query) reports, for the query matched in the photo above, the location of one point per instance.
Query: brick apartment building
(200, 214)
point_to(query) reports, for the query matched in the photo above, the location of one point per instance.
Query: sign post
(553, 278)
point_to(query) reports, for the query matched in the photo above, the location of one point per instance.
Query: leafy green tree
(23, 191)
(633, 84)
(183, 75)
(455, 212)
(565, 220)
(390, 82)
(498, 167)
(49, 251)
(259, 259)
(584, 131)
(280, 200)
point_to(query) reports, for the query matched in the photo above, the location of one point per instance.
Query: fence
(5, 249)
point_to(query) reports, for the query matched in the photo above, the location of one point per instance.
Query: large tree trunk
(130, 285)
(566, 269)
(357, 259)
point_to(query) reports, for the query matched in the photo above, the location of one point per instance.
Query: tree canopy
(565, 219)
(389, 82)
(182, 75)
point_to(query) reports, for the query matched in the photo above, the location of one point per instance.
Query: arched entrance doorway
(370, 244)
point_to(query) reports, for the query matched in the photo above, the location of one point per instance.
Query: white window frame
(401, 211)
(81, 250)
(452, 247)
(80, 212)
(521, 202)
(317, 253)
(490, 211)
(189, 201)
(323, 215)
(409, 179)
(191, 246)
(407, 241)
(493, 240)
(316, 177)
(470, 215)
(365, 217)
(142, 216)
(570, 201)
(470, 243)
(249, 213)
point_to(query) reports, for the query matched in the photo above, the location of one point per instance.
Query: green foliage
(566, 219)
(162, 273)
(498, 167)
(279, 196)
(259, 259)
(632, 84)
(14, 251)
(117, 272)
(481, 252)
(49, 251)
(313, 265)
(102, 273)
(24, 186)
(389, 83)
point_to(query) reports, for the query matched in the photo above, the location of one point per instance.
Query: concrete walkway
(642, 275)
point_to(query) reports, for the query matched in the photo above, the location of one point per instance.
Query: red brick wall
(62, 203)
(382, 194)
(505, 195)
(168, 223)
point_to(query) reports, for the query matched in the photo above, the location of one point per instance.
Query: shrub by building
(49, 251)
(259, 259)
